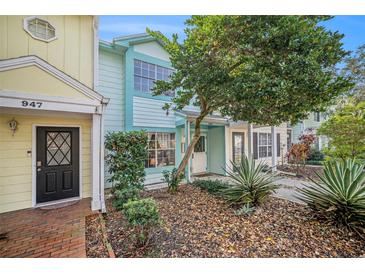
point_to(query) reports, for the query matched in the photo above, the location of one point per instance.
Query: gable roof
(32, 60)
(133, 39)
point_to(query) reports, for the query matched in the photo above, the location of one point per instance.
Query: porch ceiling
(192, 115)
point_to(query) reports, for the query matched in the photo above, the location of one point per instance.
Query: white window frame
(26, 28)
(267, 145)
(317, 116)
(148, 77)
(156, 150)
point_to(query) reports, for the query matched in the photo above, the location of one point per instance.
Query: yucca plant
(339, 194)
(251, 183)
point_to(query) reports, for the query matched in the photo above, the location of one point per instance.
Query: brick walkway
(45, 232)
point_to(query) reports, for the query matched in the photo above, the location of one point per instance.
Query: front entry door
(199, 164)
(57, 163)
(238, 140)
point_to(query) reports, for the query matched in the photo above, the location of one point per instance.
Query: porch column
(95, 152)
(227, 147)
(102, 173)
(273, 148)
(187, 142)
(250, 140)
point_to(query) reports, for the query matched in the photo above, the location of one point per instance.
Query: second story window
(145, 74)
(317, 116)
(39, 29)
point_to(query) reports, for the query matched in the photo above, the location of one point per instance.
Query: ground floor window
(161, 149)
(265, 148)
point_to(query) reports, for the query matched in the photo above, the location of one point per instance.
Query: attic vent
(39, 29)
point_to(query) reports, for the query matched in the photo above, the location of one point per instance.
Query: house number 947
(31, 104)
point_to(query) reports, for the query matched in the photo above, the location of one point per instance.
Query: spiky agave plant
(339, 194)
(251, 183)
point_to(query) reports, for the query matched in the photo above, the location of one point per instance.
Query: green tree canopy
(346, 132)
(355, 68)
(260, 69)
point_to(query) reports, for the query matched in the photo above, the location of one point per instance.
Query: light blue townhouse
(128, 67)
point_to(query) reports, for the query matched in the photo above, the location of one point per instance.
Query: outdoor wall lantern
(13, 125)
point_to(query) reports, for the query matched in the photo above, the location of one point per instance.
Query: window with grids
(145, 74)
(161, 149)
(58, 148)
(40, 29)
(317, 116)
(265, 149)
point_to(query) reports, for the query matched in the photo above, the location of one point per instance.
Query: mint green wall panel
(216, 149)
(111, 85)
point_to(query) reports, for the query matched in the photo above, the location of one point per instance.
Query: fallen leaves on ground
(197, 224)
(95, 247)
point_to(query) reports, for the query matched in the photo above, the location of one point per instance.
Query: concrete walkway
(286, 185)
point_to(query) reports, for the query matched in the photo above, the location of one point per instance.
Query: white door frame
(34, 165)
(206, 156)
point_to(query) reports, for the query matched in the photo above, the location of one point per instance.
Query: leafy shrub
(143, 216)
(213, 187)
(172, 180)
(250, 183)
(339, 195)
(315, 155)
(246, 209)
(314, 162)
(124, 195)
(126, 156)
(298, 153)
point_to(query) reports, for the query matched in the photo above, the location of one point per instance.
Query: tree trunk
(191, 145)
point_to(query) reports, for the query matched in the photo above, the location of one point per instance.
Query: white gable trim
(27, 61)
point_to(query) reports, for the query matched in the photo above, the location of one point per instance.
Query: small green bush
(315, 155)
(246, 209)
(143, 215)
(124, 195)
(339, 194)
(126, 157)
(314, 162)
(213, 187)
(172, 180)
(250, 183)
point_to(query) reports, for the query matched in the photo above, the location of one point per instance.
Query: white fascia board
(15, 100)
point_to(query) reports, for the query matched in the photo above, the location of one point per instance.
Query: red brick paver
(45, 232)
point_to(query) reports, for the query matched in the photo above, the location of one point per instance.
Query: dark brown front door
(57, 163)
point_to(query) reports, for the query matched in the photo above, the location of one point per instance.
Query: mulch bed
(197, 224)
(95, 247)
(305, 173)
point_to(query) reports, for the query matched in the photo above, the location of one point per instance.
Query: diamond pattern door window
(58, 148)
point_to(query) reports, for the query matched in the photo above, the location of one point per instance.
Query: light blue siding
(111, 85)
(149, 113)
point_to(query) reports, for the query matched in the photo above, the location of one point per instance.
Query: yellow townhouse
(51, 117)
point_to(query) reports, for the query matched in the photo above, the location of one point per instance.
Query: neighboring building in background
(50, 114)
(311, 124)
(129, 65)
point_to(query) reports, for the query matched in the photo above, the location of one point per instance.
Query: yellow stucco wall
(37, 81)
(71, 52)
(15, 164)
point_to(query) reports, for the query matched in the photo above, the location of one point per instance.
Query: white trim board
(32, 60)
(14, 99)
(34, 161)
